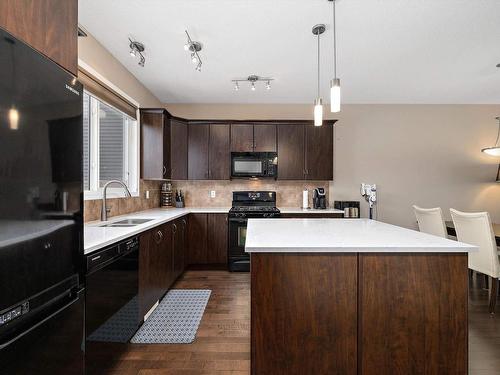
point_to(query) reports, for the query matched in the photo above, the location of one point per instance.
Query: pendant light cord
(498, 134)
(334, 43)
(318, 64)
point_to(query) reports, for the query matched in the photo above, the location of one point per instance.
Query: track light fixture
(137, 48)
(193, 47)
(252, 79)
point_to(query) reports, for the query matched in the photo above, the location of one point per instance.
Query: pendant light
(13, 118)
(335, 82)
(495, 150)
(318, 102)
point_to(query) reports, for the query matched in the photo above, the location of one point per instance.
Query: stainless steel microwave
(254, 164)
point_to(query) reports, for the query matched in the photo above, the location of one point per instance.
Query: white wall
(417, 154)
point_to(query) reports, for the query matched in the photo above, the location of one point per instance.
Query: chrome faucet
(104, 209)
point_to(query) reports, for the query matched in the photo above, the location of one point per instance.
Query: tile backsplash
(121, 206)
(288, 193)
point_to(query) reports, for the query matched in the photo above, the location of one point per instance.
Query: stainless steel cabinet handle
(174, 227)
(164, 170)
(95, 258)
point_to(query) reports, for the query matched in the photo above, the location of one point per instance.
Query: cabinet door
(197, 243)
(154, 142)
(242, 137)
(319, 152)
(148, 291)
(291, 152)
(264, 137)
(165, 266)
(219, 163)
(217, 239)
(179, 149)
(178, 240)
(198, 151)
(49, 26)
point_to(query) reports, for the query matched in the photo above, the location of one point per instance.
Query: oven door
(238, 260)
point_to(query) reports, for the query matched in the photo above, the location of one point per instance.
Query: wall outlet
(147, 194)
(212, 193)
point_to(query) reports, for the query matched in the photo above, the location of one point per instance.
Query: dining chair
(430, 220)
(475, 228)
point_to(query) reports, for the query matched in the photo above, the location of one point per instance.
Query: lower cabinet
(179, 233)
(155, 265)
(208, 239)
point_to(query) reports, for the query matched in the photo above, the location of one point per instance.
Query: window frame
(132, 142)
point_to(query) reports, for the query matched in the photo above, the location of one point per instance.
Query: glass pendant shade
(495, 150)
(318, 112)
(13, 119)
(335, 95)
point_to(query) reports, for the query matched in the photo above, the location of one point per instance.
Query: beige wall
(92, 53)
(417, 154)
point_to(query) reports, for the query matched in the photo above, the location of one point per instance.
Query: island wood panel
(49, 26)
(303, 318)
(198, 139)
(412, 314)
(264, 138)
(241, 137)
(219, 164)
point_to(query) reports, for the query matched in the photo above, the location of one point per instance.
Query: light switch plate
(147, 194)
(212, 193)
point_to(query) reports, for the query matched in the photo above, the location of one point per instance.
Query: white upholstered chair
(475, 228)
(430, 220)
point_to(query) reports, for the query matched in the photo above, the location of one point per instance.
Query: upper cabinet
(179, 149)
(49, 26)
(253, 137)
(155, 144)
(208, 151)
(291, 147)
(319, 152)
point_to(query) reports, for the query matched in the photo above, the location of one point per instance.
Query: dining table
(450, 227)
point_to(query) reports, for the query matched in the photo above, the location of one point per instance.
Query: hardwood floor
(222, 346)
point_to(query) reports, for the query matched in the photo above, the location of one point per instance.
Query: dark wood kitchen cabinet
(155, 265)
(253, 137)
(319, 152)
(291, 147)
(198, 138)
(241, 137)
(264, 138)
(49, 26)
(207, 239)
(155, 144)
(197, 238)
(178, 149)
(179, 233)
(217, 238)
(219, 163)
(208, 151)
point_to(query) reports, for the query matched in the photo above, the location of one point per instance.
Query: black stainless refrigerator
(41, 224)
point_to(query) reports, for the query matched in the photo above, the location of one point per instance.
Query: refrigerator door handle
(14, 339)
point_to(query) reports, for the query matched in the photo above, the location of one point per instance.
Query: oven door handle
(234, 220)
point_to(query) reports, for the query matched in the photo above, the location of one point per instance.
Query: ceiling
(389, 51)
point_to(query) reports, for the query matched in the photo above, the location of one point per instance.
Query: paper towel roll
(305, 199)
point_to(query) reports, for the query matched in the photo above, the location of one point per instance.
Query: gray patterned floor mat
(176, 319)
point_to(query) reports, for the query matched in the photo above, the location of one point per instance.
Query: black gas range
(246, 205)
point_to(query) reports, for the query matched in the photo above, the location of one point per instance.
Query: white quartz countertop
(97, 237)
(342, 235)
(299, 210)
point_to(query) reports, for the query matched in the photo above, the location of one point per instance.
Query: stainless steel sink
(126, 223)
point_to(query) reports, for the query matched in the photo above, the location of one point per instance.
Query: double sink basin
(126, 223)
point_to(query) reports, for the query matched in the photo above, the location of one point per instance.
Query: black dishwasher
(112, 306)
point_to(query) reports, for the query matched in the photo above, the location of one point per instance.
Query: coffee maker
(319, 198)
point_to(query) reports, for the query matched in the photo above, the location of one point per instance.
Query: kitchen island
(355, 296)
